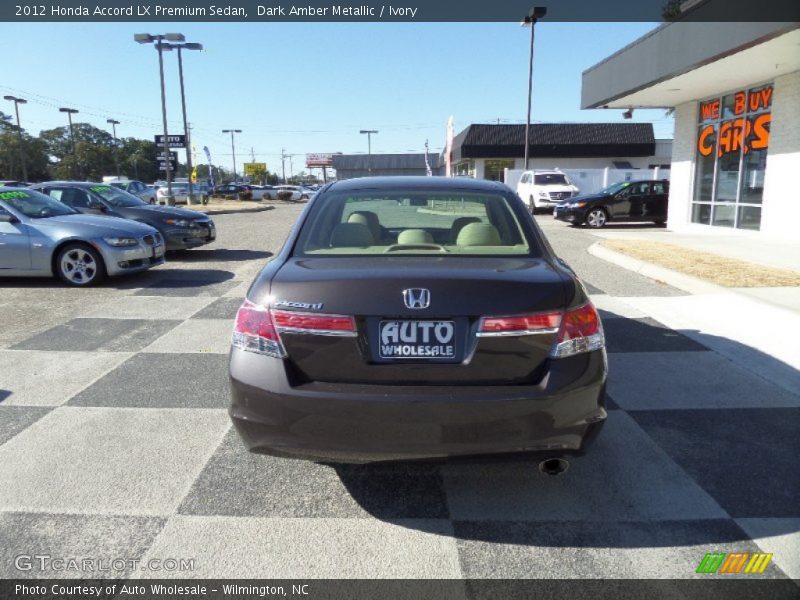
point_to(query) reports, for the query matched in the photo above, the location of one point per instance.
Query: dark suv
(625, 201)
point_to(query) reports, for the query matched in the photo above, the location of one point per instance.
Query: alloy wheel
(596, 218)
(79, 266)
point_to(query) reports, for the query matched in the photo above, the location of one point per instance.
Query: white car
(542, 189)
(180, 191)
(297, 194)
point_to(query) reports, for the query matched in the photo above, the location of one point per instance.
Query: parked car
(624, 201)
(385, 329)
(41, 237)
(290, 193)
(181, 228)
(264, 192)
(232, 189)
(542, 189)
(180, 193)
(132, 186)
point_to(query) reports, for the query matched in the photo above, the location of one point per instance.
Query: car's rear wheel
(80, 265)
(596, 218)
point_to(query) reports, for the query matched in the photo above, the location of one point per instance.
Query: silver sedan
(41, 237)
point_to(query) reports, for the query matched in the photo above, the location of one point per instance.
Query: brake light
(258, 329)
(313, 323)
(520, 325)
(580, 331)
(255, 331)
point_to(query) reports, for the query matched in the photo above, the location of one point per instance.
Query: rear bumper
(365, 423)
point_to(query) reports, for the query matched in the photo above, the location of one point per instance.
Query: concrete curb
(687, 283)
(231, 211)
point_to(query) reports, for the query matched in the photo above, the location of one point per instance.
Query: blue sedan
(41, 237)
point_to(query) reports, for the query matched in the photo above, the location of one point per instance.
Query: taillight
(258, 329)
(520, 325)
(295, 322)
(255, 331)
(580, 332)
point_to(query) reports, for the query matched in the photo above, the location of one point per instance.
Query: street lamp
(179, 47)
(369, 133)
(70, 112)
(146, 38)
(17, 102)
(114, 124)
(233, 150)
(534, 15)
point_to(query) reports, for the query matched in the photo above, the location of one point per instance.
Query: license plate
(427, 340)
(555, 212)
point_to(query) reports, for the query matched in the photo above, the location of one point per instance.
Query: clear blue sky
(310, 87)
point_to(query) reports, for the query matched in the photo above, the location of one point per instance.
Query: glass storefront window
(732, 144)
(493, 170)
(701, 213)
(706, 159)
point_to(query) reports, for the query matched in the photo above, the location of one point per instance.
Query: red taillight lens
(536, 323)
(255, 331)
(259, 329)
(307, 322)
(580, 331)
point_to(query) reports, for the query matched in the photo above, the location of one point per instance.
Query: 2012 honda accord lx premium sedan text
(411, 318)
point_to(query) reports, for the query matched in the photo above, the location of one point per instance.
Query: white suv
(545, 189)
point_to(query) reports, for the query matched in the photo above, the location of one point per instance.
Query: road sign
(173, 164)
(173, 141)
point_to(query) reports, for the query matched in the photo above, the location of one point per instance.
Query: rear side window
(431, 223)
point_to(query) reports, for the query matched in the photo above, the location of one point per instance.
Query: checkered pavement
(115, 442)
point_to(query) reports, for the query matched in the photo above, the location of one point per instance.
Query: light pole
(146, 38)
(114, 124)
(534, 15)
(180, 47)
(17, 102)
(70, 112)
(369, 133)
(233, 150)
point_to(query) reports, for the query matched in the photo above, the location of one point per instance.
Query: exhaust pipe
(554, 466)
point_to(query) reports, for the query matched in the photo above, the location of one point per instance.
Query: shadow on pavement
(224, 254)
(654, 478)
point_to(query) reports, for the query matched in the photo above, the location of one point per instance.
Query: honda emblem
(417, 297)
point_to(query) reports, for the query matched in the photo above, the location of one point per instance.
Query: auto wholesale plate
(420, 340)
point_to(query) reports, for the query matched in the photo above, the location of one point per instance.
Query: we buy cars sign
(173, 141)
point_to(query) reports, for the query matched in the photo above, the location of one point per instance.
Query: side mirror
(7, 218)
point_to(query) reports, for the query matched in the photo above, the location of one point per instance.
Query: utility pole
(70, 112)
(233, 151)
(114, 124)
(283, 164)
(533, 16)
(17, 102)
(369, 133)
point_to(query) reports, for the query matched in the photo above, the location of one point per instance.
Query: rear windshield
(116, 197)
(397, 223)
(550, 179)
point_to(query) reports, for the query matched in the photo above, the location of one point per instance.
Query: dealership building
(735, 91)
(487, 151)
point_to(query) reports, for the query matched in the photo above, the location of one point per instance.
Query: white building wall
(682, 170)
(781, 201)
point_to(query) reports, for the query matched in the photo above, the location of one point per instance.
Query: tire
(79, 265)
(596, 218)
(660, 223)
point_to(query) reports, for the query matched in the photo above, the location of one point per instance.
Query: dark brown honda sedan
(417, 317)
